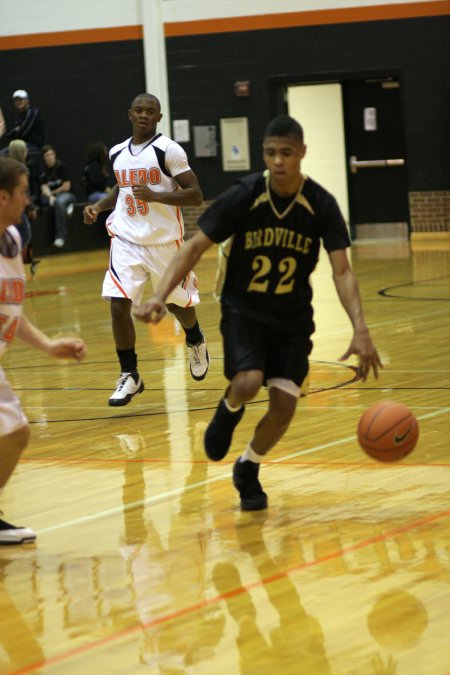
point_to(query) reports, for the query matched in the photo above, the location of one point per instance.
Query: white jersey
(155, 164)
(12, 285)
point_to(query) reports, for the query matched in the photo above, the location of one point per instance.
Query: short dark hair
(284, 125)
(10, 172)
(46, 148)
(146, 95)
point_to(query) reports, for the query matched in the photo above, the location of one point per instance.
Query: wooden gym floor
(144, 562)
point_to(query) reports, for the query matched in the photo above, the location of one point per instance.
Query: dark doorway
(377, 172)
(373, 128)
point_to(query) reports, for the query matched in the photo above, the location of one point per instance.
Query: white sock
(249, 455)
(230, 408)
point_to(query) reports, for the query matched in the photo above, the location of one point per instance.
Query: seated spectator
(97, 177)
(55, 192)
(28, 124)
(18, 150)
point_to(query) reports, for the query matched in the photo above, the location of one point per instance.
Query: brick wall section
(430, 211)
(190, 215)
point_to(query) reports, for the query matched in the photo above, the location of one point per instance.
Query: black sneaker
(33, 267)
(245, 480)
(219, 431)
(13, 534)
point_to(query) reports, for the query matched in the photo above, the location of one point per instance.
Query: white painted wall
(191, 10)
(19, 17)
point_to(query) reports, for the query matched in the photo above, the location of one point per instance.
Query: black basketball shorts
(250, 345)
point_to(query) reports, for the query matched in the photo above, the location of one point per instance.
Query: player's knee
(247, 384)
(23, 436)
(17, 440)
(120, 308)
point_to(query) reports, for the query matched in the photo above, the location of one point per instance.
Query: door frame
(278, 85)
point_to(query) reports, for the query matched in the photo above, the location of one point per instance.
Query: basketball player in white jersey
(153, 181)
(14, 429)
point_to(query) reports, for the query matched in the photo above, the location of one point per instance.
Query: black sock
(128, 360)
(193, 335)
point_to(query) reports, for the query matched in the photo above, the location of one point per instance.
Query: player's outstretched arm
(348, 291)
(182, 263)
(62, 348)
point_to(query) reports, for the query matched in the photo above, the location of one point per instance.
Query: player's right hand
(89, 214)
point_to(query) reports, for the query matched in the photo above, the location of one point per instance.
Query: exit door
(376, 169)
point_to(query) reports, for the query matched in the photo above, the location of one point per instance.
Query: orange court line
(191, 609)
(410, 10)
(71, 37)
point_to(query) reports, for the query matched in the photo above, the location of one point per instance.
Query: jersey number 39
(134, 205)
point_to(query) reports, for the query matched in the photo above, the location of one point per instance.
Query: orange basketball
(388, 431)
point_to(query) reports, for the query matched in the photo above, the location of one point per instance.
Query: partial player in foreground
(153, 181)
(272, 224)
(14, 428)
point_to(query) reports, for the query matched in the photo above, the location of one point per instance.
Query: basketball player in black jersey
(270, 226)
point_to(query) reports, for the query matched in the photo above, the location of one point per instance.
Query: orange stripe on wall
(313, 18)
(71, 37)
(262, 22)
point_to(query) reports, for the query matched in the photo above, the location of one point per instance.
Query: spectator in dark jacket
(28, 125)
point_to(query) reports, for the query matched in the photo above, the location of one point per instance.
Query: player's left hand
(363, 346)
(68, 348)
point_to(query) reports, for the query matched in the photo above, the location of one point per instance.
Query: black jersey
(275, 247)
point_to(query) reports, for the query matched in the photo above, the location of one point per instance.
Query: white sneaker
(10, 534)
(126, 389)
(59, 243)
(198, 359)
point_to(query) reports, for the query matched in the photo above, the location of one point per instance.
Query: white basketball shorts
(11, 413)
(131, 265)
